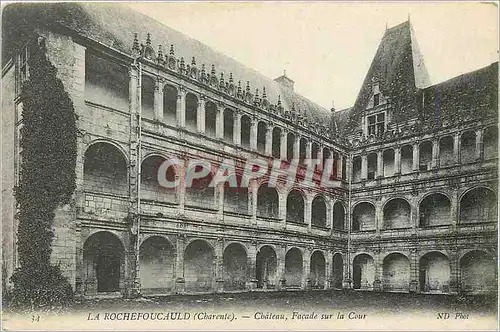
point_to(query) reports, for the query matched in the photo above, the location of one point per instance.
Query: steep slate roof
(114, 25)
(400, 70)
(470, 96)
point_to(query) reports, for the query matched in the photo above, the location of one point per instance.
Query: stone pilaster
(479, 144)
(179, 264)
(200, 114)
(364, 167)
(435, 153)
(253, 133)
(456, 148)
(251, 283)
(219, 121)
(237, 128)
(269, 139)
(283, 144)
(306, 269)
(158, 100)
(397, 160)
(416, 157)
(181, 107)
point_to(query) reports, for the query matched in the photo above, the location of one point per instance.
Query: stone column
(283, 144)
(456, 148)
(415, 218)
(254, 192)
(454, 208)
(329, 213)
(479, 144)
(158, 99)
(380, 164)
(320, 157)
(364, 167)
(181, 107)
(416, 157)
(379, 216)
(435, 153)
(269, 139)
(296, 148)
(414, 271)
(306, 269)
(237, 128)
(455, 282)
(282, 206)
(180, 176)
(340, 161)
(219, 121)
(179, 265)
(218, 283)
(251, 283)
(347, 261)
(219, 194)
(280, 264)
(200, 114)
(397, 160)
(308, 150)
(253, 134)
(328, 269)
(378, 267)
(307, 212)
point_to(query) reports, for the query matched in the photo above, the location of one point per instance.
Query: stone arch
(490, 142)
(435, 210)
(261, 136)
(363, 216)
(446, 151)
(318, 270)
(198, 266)
(150, 187)
(276, 148)
(170, 104)
(266, 267)
(363, 272)
(293, 267)
(318, 211)
(105, 169)
(210, 118)
(157, 264)
(337, 270)
(468, 147)
(201, 193)
(267, 202)
(246, 125)
(339, 215)
(397, 214)
(396, 273)
(104, 262)
(478, 205)
(191, 112)
(236, 198)
(235, 266)
(478, 272)
(147, 96)
(434, 273)
(295, 206)
(228, 115)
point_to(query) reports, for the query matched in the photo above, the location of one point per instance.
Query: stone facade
(415, 210)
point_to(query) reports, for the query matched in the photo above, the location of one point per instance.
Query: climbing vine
(46, 182)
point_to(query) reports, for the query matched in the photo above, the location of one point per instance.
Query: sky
(327, 47)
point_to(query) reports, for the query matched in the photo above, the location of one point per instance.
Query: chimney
(333, 106)
(283, 80)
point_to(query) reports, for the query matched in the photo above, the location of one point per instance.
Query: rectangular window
(376, 124)
(23, 65)
(376, 99)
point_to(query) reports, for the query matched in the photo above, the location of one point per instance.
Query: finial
(293, 106)
(172, 52)
(160, 52)
(181, 66)
(230, 78)
(212, 72)
(193, 61)
(408, 16)
(203, 70)
(239, 87)
(135, 45)
(279, 100)
(248, 87)
(221, 81)
(264, 95)
(256, 93)
(148, 39)
(284, 72)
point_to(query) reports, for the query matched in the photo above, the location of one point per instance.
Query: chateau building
(415, 209)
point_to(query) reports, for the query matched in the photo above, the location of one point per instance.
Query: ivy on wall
(47, 181)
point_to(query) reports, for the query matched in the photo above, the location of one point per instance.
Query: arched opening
(318, 214)
(293, 268)
(295, 207)
(338, 216)
(446, 151)
(267, 202)
(372, 165)
(363, 217)
(477, 206)
(363, 272)
(388, 159)
(396, 273)
(356, 169)
(490, 142)
(397, 214)
(344, 167)
(210, 118)
(170, 105)
(235, 267)
(406, 159)
(228, 125)
(198, 266)
(302, 150)
(425, 156)
(246, 124)
(103, 259)
(200, 194)
(150, 187)
(290, 142)
(105, 170)
(434, 273)
(315, 151)
(478, 272)
(266, 268)
(261, 136)
(235, 198)
(338, 271)
(468, 147)
(326, 155)
(317, 268)
(435, 210)
(157, 265)
(147, 97)
(191, 112)
(276, 142)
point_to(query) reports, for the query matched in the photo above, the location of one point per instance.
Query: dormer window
(376, 124)
(376, 99)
